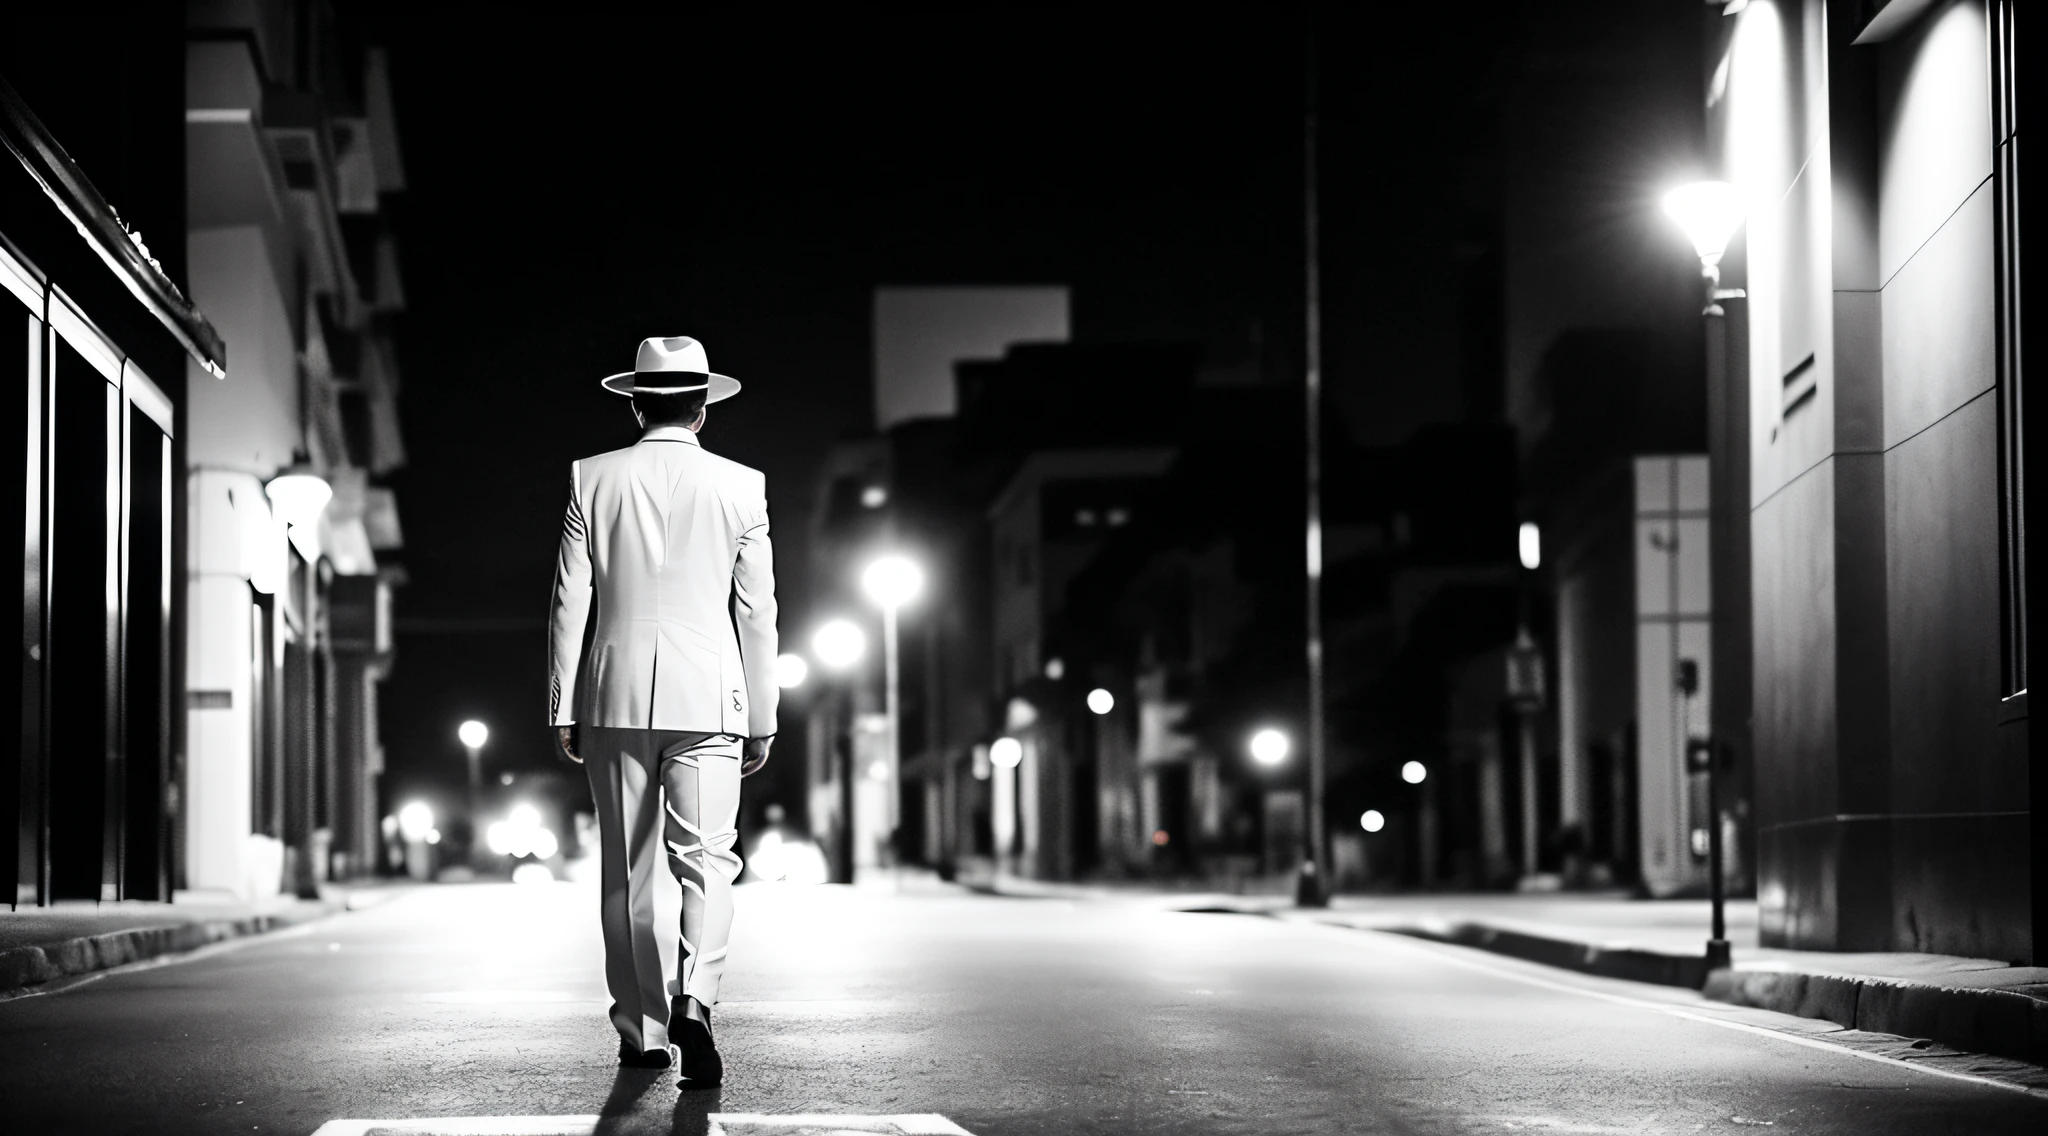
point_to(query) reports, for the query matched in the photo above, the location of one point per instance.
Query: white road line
(1391, 939)
(721, 1124)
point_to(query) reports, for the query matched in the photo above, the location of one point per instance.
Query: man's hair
(669, 409)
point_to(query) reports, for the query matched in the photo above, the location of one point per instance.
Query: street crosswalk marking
(822, 1124)
(720, 1124)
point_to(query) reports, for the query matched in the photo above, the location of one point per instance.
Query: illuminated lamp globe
(1529, 545)
(1101, 701)
(415, 820)
(1414, 772)
(1269, 747)
(298, 495)
(1709, 212)
(839, 644)
(473, 733)
(1373, 820)
(892, 581)
(791, 671)
(1006, 753)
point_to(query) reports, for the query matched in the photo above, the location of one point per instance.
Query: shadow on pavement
(640, 1104)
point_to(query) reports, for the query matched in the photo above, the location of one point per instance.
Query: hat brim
(721, 387)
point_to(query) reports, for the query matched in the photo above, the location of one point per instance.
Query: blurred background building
(222, 471)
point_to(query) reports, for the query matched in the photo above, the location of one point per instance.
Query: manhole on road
(720, 1124)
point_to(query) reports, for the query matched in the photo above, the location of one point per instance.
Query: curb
(32, 970)
(1630, 963)
(2004, 1023)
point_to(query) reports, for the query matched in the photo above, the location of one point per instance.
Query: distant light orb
(1269, 747)
(1414, 772)
(1529, 545)
(1160, 838)
(879, 771)
(1372, 821)
(415, 820)
(874, 496)
(839, 644)
(473, 733)
(892, 581)
(1055, 668)
(1006, 752)
(791, 671)
(1101, 701)
(524, 815)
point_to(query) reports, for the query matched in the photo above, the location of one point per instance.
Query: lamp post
(473, 734)
(839, 645)
(1709, 212)
(892, 581)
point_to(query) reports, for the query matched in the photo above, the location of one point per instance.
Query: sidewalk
(1984, 1005)
(48, 948)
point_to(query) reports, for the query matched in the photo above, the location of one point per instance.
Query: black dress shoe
(689, 1027)
(631, 1058)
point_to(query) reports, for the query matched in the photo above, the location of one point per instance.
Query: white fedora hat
(675, 365)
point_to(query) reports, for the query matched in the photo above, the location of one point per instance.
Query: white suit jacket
(665, 567)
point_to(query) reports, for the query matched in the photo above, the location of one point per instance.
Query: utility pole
(1312, 886)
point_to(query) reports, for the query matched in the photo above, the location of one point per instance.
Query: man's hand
(755, 755)
(568, 736)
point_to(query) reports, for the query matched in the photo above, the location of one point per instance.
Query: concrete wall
(1888, 818)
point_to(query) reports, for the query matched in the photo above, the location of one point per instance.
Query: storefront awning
(74, 195)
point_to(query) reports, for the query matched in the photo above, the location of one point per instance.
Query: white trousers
(664, 795)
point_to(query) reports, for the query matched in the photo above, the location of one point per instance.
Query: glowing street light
(1709, 212)
(1101, 701)
(1373, 820)
(298, 495)
(1269, 746)
(473, 734)
(1414, 772)
(1006, 753)
(892, 581)
(791, 671)
(1529, 545)
(415, 821)
(839, 644)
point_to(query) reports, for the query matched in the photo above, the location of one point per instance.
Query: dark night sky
(579, 183)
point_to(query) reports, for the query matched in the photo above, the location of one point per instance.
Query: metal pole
(1311, 889)
(1717, 359)
(842, 764)
(1530, 805)
(893, 707)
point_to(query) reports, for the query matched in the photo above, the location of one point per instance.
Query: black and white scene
(1299, 568)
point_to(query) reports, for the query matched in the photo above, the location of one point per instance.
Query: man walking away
(665, 569)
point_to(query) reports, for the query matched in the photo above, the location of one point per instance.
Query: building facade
(1874, 148)
(219, 471)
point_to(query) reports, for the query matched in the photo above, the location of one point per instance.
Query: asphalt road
(1006, 1016)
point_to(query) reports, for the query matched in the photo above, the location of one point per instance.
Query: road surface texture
(1004, 1016)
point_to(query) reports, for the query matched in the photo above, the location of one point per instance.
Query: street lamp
(1373, 820)
(892, 581)
(1529, 545)
(473, 734)
(298, 494)
(791, 671)
(1005, 753)
(1101, 701)
(1414, 772)
(1709, 212)
(838, 645)
(1269, 746)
